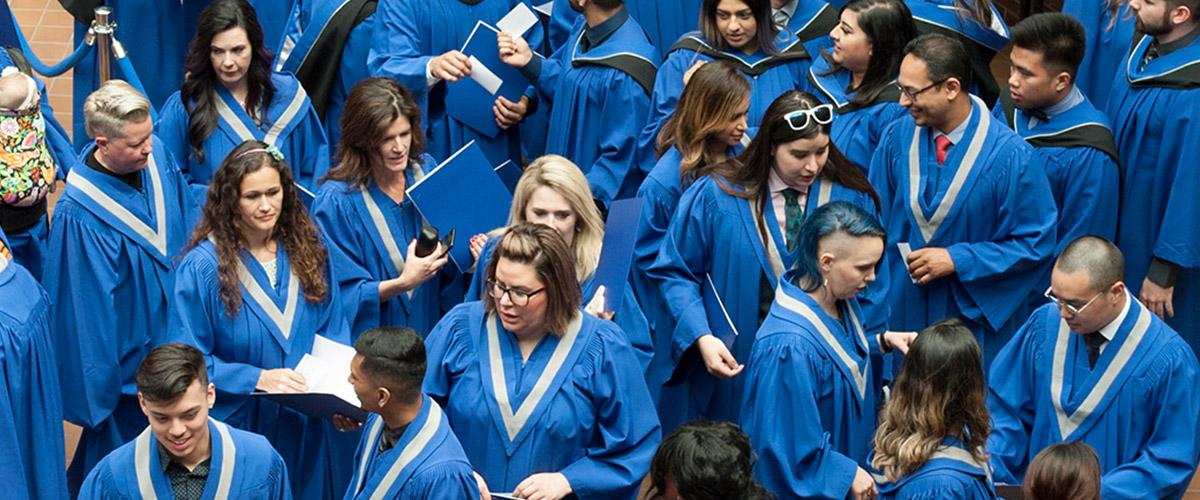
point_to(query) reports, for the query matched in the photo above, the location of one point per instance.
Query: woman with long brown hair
(252, 293)
(932, 435)
(734, 233)
(231, 95)
(371, 223)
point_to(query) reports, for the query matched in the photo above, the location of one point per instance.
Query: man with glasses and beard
(1097, 366)
(966, 195)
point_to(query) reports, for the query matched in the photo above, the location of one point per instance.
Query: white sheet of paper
(327, 369)
(518, 20)
(484, 76)
(545, 8)
(905, 249)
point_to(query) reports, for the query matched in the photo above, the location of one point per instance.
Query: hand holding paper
(450, 66)
(518, 20)
(514, 50)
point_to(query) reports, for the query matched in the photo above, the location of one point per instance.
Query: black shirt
(187, 485)
(133, 180)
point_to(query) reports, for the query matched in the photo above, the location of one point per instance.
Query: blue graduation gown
(273, 16)
(664, 21)
(582, 408)
(156, 34)
(243, 465)
(858, 127)
(1104, 48)
(597, 110)
(993, 212)
(274, 328)
(31, 411)
(1080, 160)
(1155, 125)
(815, 370)
(950, 472)
(109, 274)
(716, 234)
(305, 29)
(291, 125)
(628, 316)
(1138, 407)
(426, 462)
(408, 33)
(369, 235)
(982, 42)
(769, 77)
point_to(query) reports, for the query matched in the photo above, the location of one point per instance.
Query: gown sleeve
(1012, 402)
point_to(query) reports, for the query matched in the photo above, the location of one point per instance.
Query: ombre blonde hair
(939, 393)
(566, 179)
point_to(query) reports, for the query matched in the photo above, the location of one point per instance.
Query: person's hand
(596, 308)
(687, 75)
(928, 264)
(1157, 299)
(510, 113)
(514, 50)
(477, 243)
(345, 424)
(863, 487)
(484, 492)
(281, 381)
(451, 66)
(899, 341)
(544, 486)
(418, 270)
(717, 358)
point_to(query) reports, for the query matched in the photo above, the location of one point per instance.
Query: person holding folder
(408, 450)
(737, 227)
(547, 400)
(252, 293)
(814, 362)
(184, 453)
(933, 431)
(706, 129)
(231, 95)
(371, 224)
(552, 191)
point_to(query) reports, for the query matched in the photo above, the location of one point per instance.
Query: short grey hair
(112, 106)
(1102, 260)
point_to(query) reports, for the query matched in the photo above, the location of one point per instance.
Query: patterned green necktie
(795, 217)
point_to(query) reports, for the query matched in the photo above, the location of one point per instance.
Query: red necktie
(943, 148)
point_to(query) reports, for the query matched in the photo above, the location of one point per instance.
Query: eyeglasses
(519, 298)
(798, 119)
(1070, 308)
(912, 94)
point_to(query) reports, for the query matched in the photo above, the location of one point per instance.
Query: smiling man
(967, 195)
(1097, 366)
(1070, 135)
(184, 454)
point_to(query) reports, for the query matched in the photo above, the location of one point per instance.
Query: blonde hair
(566, 179)
(112, 106)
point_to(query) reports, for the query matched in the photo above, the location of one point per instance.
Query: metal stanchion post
(103, 27)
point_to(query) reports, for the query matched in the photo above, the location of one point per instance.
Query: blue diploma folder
(316, 404)
(463, 194)
(466, 100)
(616, 254)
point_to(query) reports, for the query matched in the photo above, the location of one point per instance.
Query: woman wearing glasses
(742, 33)
(815, 362)
(554, 192)
(859, 76)
(252, 293)
(732, 237)
(547, 401)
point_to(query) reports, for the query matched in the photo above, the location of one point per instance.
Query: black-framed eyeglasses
(822, 114)
(1070, 308)
(519, 298)
(912, 94)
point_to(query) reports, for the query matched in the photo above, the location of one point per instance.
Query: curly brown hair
(939, 393)
(294, 229)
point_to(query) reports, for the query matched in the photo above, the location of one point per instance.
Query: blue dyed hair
(834, 217)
